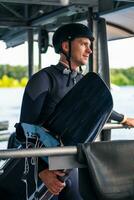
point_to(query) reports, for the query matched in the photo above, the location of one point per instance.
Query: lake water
(10, 103)
(123, 103)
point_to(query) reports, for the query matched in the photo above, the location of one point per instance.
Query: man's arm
(32, 106)
(122, 118)
(34, 99)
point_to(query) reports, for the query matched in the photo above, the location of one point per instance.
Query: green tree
(17, 72)
(119, 79)
(13, 76)
(122, 76)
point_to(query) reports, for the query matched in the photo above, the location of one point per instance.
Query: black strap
(53, 84)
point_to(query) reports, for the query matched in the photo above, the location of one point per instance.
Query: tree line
(122, 76)
(13, 76)
(17, 76)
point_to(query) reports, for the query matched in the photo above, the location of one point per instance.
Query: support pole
(39, 65)
(39, 49)
(95, 43)
(90, 26)
(30, 52)
(103, 62)
(103, 51)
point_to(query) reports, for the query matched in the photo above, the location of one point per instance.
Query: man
(47, 87)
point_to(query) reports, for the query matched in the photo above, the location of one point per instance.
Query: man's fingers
(59, 173)
(55, 189)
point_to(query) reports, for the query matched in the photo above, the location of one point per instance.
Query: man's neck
(67, 66)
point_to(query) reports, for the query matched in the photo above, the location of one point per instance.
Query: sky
(121, 54)
(19, 55)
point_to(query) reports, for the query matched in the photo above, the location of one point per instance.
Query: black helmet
(70, 32)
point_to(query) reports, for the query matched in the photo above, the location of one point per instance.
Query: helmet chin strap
(68, 58)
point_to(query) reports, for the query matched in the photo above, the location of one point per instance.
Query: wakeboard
(80, 116)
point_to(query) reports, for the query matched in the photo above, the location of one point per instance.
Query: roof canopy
(16, 16)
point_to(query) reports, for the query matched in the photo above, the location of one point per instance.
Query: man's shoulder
(40, 78)
(40, 81)
(46, 70)
(43, 72)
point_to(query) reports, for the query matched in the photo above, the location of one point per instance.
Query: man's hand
(129, 122)
(51, 181)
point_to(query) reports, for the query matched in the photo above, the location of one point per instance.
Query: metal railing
(4, 135)
(115, 126)
(71, 150)
(32, 152)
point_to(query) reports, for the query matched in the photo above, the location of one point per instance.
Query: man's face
(80, 51)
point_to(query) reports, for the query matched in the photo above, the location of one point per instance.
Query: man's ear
(65, 46)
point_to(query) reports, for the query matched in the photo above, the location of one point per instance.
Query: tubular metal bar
(4, 136)
(31, 152)
(115, 126)
(30, 53)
